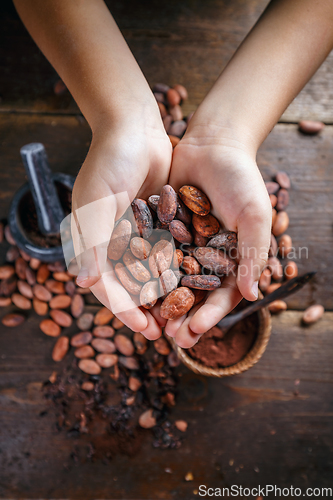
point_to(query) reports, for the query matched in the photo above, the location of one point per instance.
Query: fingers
(254, 236)
(218, 304)
(173, 326)
(112, 295)
(185, 337)
(153, 330)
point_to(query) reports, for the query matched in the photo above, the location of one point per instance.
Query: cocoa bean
(134, 384)
(56, 267)
(61, 318)
(85, 321)
(271, 288)
(180, 232)
(42, 293)
(87, 386)
(143, 218)
(206, 225)
(181, 425)
(89, 366)
(167, 120)
(162, 109)
(135, 267)
(167, 204)
(162, 346)
(177, 258)
(124, 345)
(177, 303)
(310, 127)
(199, 295)
(30, 276)
(274, 214)
(153, 201)
(106, 360)
(160, 257)
(275, 266)
(71, 289)
(173, 97)
(215, 260)
(191, 265)
(201, 282)
(160, 97)
(265, 279)
(140, 248)
(181, 91)
(24, 255)
(313, 314)
(147, 419)
(34, 263)
(84, 351)
(125, 278)
(43, 274)
(272, 187)
(282, 199)
(129, 362)
(277, 306)
(167, 282)
(61, 302)
(60, 348)
(21, 268)
(5, 301)
(61, 276)
(199, 241)
(178, 127)
(49, 327)
(226, 240)
(173, 359)
(103, 345)
(282, 178)
(195, 200)
(41, 308)
(176, 114)
(120, 239)
(281, 223)
(140, 343)
(285, 245)
(161, 87)
(12, 254)
(20, 301)
(149, 294)
(103, 317)
(56, 287)
(12, 319)
(25, 289)
(273, 199)
(103, 332)
(76, 302)
(291, 270)
(8, 286)
(117, 324)
(183, 214)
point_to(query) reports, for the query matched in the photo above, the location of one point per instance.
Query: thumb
(254, 235)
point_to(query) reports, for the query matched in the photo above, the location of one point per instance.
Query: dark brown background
(246, 430)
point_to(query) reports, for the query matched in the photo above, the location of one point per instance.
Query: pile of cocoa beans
(169, 101)
(151, 269)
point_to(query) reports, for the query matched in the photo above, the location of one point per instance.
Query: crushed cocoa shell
(217, 351)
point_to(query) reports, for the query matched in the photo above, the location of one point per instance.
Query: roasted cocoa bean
(43, 274)
(135, 267)
(272, 187)
(125, 278)
(140, 342)
(42, 293)
(205, 225)
(153, 201)
(160, 257)
(55, 287)
(21, 268)
(173, 97)
(25, 289)
(265, 279)
(282, 199)
(106, 360)
(313, 314)
(177, 259)
(84, 352)
(167, 282)
(103, 345)
(12, 319)
(282, 178)
(5, 301)
(281, 223)
(285, 245)
(226, 240)
(103, 332)
(149, 294)
(140, 248)
(162, 346)
(20, 301)
(191, 265)
(180, 232)
(61, 318)
(215, 260)
(120, 239)
(89, 366)
(129, 362)
(183, 214)
(124, 345)
(103, 317)
(50, 328)
(177, 303)
(143, 218)
(277, 306)
(195, 200)
(60, 348)
(273, 199)
(275, 266)
(85, 321)
(147, 419)
(61, 302)
(12, 254)
(201, 282)
(167, 204)
(274, 247)
(310, 127)
(76, 302)
(41, 308)
(199, 295)
(291, 270)
(117, 324)
(199, 241)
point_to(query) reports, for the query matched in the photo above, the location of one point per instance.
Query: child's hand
(133, 157)
(224, 169)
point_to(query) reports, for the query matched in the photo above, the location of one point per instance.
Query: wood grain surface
(188, 42)
(270, 425)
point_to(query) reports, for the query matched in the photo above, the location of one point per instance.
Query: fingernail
(80, 280)
(255, 289)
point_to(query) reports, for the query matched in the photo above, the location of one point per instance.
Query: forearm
(83, 43)
(281, 53)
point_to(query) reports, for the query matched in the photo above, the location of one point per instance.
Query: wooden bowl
(252, 357)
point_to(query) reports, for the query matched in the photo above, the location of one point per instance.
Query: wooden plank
(279, 412)
(307, 159)
(175, 42)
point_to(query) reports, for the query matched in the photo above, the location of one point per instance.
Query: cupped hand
(130, 159)
(224, 169)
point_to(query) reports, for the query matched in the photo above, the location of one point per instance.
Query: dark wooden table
(271, 425)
